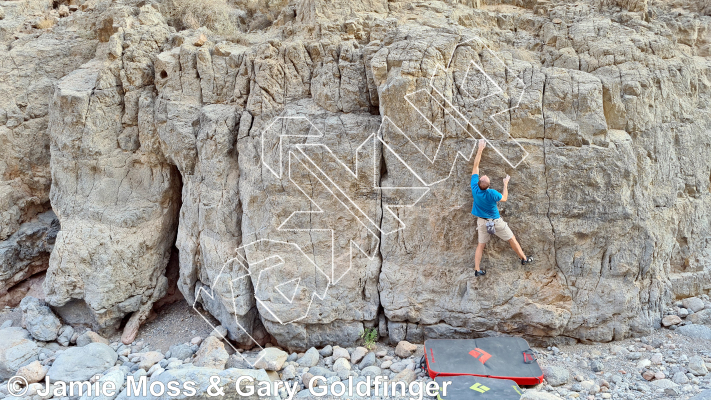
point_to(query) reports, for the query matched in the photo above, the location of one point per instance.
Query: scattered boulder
(405, 349)
(90, 337)
(309, 359)
(81, 363)
(149, 359)
(533, 395)
(596, 366)
(680, 378)
(406, 375)
(697, 366)
(212, 354)
(306, 378)
(670, 320)
(702, 317)
(341, 364)
(663, 384)
(340, 352)
(398, 366)
(116, 375)
(694, 304)
(556, 376)
(371, 371)
(201, 377)
(695, 331)
(367, 361)
(238, 361)
(65, 335)
(326, 351)
(39, 320)
(181, 351)
(358, 354)
(271, 359)
(33, 372)
(289, 372)
(16, 350)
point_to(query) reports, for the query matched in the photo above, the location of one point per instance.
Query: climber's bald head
(484, 182)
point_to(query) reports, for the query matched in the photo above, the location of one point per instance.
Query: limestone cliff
(310, 162)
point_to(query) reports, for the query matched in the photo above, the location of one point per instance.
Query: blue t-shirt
(484, 200)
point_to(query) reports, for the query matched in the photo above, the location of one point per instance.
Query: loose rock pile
(690, 317)
(659, 366)
(663, 365)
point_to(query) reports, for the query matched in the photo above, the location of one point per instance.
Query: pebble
(657, 358)
(596, 366)
(326, 351)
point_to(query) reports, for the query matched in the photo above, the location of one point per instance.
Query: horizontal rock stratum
(309, 163)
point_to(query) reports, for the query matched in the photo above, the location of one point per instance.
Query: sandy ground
(173, 324)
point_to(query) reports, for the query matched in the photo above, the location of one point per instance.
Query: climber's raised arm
(477, 159)
(505, 195)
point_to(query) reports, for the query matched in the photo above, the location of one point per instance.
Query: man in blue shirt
(489, 221)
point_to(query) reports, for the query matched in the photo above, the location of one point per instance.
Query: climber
(489, 221)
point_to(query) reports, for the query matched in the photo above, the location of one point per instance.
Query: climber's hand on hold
(506, 180)
(477, 159)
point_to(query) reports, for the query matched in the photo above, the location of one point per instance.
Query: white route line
(361, 216)
(320, 211)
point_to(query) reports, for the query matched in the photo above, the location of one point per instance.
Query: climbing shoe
(479, 273)
(527, 261)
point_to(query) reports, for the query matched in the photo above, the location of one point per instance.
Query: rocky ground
(670, 363)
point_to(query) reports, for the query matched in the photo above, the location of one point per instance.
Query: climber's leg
(477, 256)
(517, 248)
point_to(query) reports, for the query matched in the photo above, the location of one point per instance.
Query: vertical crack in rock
(548, 213)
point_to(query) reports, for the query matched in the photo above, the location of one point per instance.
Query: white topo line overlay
(330, 184)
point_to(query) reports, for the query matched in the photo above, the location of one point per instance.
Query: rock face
(113, 191)
(25, 254)
(314, 177)
(27, 228)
